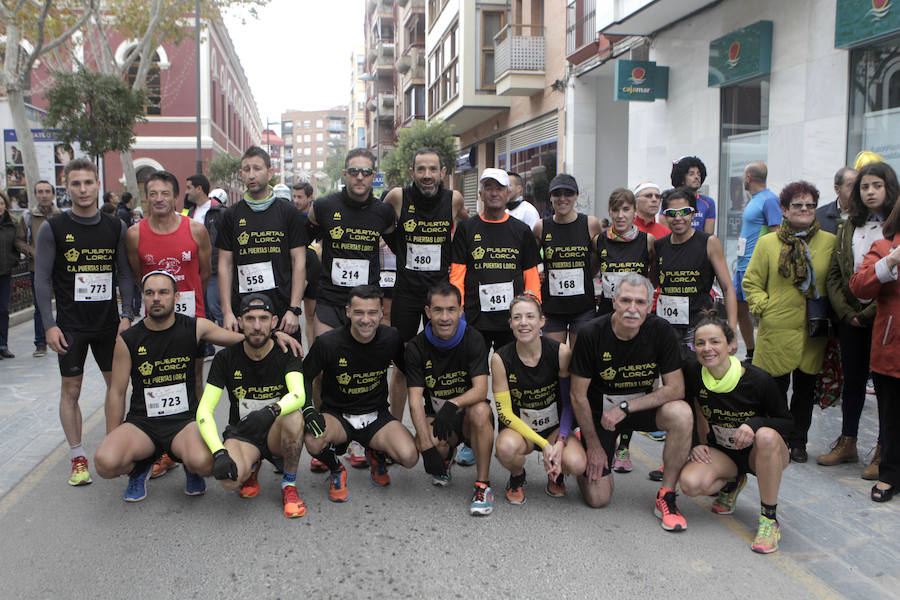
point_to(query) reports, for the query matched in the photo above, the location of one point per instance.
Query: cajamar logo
(879, 10)
(145, 369)
(243, 238)
(72, 254)
(336, 233)
(478, 253)
(638, 75)
(734, 54)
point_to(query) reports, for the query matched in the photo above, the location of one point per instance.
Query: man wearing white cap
(494, 259)
(647, 196)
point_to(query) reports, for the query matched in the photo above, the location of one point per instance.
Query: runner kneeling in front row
(531, 391)
(447, 371)
(742, 416)
(268, 408)
(354, 361)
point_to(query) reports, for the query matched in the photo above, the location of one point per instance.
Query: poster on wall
(52, 156)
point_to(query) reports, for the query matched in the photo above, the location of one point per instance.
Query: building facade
(356, 115)
(309, 136)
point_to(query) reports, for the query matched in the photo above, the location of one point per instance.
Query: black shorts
(331, 315)
(363, 436)
(497, 339)
(261, 443)
(741, 458)
(313, 272)
(408, 315)
(101, 343)
(568, 322)
(644, 420)
(161, 431)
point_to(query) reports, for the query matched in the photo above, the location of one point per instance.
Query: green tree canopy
(224, 172)
(437, 135)
(98, 111)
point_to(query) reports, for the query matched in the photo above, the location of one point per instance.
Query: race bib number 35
(673, 309)
(347, 272)
(566, 282)
(255, 277)
(495, 296)
(186, 303)
(93, 287)
(423, 257)
(166, 400)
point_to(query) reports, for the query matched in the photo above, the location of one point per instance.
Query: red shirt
(657, 230)
(175, 253)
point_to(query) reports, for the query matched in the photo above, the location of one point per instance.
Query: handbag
(818, 323)
(830, 382)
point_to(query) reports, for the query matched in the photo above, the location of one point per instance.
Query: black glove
(444, 421)
(223, 465)
(314, 422)
(433, 461)
(258, 422)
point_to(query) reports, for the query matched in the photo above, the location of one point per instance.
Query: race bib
(347, 272)
(742, 246)
(495, 296)
(186, 304)
(93, 287)
(166, 400)
(540, 419)
(423, 257)
(255, 277)
(387, 279)
(245, 407)
(566, 282)
(598, 284)
(611, 281)
(361, 421)
(673, 309)
(724, 436)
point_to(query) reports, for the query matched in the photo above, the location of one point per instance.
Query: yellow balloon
(866, 157)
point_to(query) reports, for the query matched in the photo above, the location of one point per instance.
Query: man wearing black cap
(158, 355)
(567, 286)
(268, 410)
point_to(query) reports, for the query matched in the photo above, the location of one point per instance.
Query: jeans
(887, 389)
(39, 337)
(211, 300)
(5, 282)
(801, 403)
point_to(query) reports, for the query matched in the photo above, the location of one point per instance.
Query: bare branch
(42, 48)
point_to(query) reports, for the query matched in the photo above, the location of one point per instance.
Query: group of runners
(585, 351)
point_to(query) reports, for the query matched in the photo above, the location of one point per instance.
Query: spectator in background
(828, 214)
(207, 210)
(690, 172)
(123, 211)
(9, 256)
(517, 205)
(108, 208)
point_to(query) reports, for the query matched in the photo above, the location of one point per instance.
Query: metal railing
(519, 47)
(581, 27)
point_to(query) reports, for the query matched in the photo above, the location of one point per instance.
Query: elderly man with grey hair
(828, 214)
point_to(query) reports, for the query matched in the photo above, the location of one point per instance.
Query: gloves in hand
(434, 463)
(444, 421)
(223, 466)
(314, 422)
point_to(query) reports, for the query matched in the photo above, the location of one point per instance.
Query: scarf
(260, 205)
(514, 204)
(446, 344)
(727, 383)
(795, 261)
(625, 237)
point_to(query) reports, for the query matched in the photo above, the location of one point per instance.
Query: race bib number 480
(423, 257)
(166, 400)
(93, 287)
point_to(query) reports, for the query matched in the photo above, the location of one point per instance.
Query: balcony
(335, 126)
(519, 57)
(411, 63)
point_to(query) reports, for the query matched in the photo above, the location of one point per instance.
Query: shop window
(536, 166)
(874, 118)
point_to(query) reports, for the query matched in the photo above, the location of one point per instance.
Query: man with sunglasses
(351, 222)
(646, 203)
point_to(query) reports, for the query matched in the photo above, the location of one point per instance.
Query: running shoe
(767, 536)
(40, 350)
(622, 463)
(870, 387)
(337, 485)
(656, 475)
(668, 513)
(515, 490)
(194, 485)
(80, 474)
(465, 457)
(725, 501)
(293, 505)
(378, 471)
(162, 466)
(656, 436)
(317, 466)
(250, 487)
(137, 487)
(357, 456)
(482, 500)
(444, 479)
(556, 487)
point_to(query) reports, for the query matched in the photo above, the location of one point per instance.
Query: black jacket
(9, 256)
(211, 222)
(828, 215)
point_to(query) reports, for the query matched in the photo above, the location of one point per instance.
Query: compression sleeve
(44, 255)
(206, 423)
(123, 274)
(565, 419)
(295, 399)
(506, 415)
(457, 278)
(533, 281)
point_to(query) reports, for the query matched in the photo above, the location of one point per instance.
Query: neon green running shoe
(724, 503)
(767, 536)
(80, 474)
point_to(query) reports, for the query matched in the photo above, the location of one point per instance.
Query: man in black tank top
(427, 214)
(79, 258)
(351, 222)
(158, 357)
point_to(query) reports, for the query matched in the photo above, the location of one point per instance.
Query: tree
(334, 165)
(437, 135)
(224, 172)
(46, 25)
(97, 110)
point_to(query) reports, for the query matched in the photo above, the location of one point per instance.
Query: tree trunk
(128, 171)
(25, 140)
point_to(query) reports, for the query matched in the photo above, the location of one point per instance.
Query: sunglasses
(356, 171)
(804, 205)
(679, 212)
(558, 193)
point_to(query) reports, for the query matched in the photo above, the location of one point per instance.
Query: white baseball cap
(498, 175)
(282, 191)
(219, 194)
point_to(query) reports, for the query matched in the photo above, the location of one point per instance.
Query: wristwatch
(623, 405)
(127, 316)
(297, 310)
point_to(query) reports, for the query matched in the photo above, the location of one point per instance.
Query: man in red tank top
(176, 244)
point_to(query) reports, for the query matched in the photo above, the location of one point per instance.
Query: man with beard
(427, 214)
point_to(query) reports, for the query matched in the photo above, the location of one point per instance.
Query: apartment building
(308, 137)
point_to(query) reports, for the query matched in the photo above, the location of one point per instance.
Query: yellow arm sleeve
(205, 421)
(295, 399)
(506, 415)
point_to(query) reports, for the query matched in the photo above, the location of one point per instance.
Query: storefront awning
(627, 17)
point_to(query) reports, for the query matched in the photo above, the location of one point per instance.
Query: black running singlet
(423, 241)
(567, 287)
(618, 257)
(534, 391)
(685, 279)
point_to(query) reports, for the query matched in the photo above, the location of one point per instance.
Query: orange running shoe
(250, 488)
(378, 471)
(317, 466)
(337, 485)
(668, 513)
(293, 505)
(162, 466)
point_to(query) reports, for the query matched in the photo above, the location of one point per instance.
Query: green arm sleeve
(295, 399)
(506, 415)
(205, 421)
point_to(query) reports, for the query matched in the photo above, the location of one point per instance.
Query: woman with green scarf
(787, 270)
(742, 420)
